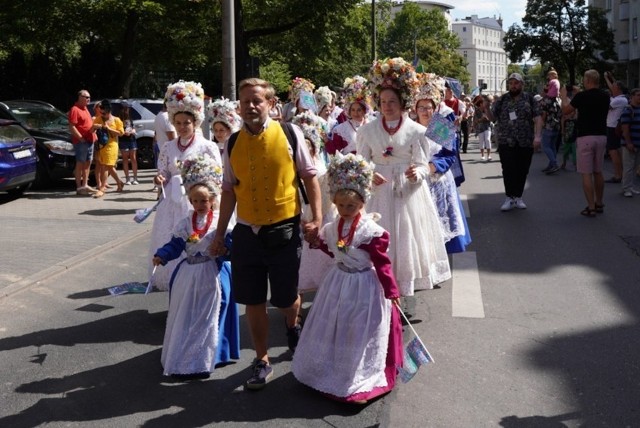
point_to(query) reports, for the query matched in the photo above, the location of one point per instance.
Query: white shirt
(161, 126)
(616, 106)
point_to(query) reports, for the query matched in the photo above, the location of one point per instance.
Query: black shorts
(613, 142)
(260, 262)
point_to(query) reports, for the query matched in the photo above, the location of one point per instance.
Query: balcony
(623, 12)
(623, 51)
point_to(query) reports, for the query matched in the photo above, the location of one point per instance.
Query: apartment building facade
(482, 46)
(622, 16)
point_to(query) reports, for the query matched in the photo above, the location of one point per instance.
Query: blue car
(50, 128)
(17, 158)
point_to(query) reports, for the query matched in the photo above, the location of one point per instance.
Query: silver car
(143, 113)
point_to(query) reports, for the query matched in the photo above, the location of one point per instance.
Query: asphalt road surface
(539, 326)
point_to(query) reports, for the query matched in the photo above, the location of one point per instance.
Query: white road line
(466, 296)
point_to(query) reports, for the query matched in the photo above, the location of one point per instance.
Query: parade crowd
(358, 204)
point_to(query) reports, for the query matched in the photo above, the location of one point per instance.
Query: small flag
(442, 131)
(415, 355)
(143, 214)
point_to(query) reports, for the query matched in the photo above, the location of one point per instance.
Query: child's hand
(157, 261)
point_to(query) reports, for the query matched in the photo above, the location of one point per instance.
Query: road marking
(466, 295)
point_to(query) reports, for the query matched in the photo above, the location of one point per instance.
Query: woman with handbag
(111, 127)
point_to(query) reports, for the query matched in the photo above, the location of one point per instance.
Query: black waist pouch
(279, 234)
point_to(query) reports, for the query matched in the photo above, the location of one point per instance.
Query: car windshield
(12, 134)
(154, 108)
(39, 116)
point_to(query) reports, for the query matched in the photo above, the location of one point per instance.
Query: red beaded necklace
(389, 130)
(194, 223)
(183, 148)
(345, 241)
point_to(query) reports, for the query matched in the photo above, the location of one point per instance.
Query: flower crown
(350, 172)
(300, 84)
(202, 169)
(311, 128)
(431, 88)
(394, 73)
(323, 96)
(185, 97)
(356, 90)
(224, 111)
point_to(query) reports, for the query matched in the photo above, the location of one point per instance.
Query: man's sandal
(588, 212)
(599, 208)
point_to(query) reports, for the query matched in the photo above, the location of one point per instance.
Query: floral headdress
(185, 97)
(323, 96)
(394, 73)
(350, 172)
(356, 90)
(431, 88)
(224, 111)
(311, 128)
(300, 84)
(202, 169)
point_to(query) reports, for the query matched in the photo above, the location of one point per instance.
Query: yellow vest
(267, 189)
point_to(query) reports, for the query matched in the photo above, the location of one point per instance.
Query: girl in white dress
(185, 105)
(393, 143)
(224, 120)
(351, 343)
(314, 264)
(357, 98)
(191, 336)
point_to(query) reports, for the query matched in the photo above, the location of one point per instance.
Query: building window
(464, 53)
(634, 28)
(464, 29)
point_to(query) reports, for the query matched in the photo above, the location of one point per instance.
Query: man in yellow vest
(260, 180)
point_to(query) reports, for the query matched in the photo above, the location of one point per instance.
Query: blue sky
(511, 11)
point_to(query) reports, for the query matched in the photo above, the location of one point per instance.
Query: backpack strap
(293, 143)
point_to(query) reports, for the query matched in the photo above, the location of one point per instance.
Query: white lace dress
(417, 248)
(343, 346)
(191, 335)
(314, 264)
(176, 205)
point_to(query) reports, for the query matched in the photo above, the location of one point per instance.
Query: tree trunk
(125, 77)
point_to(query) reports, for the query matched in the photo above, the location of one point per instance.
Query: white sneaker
(627, 194)
(635, 192)
(520, 204)
(127, 181)
(134, 182)
(508, 204)
(488, 157)
(483, 158)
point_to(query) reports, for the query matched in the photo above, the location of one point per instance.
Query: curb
(66, 265)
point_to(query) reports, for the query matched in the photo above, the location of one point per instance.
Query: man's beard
(514, 92)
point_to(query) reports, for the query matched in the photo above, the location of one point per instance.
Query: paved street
(539, 327)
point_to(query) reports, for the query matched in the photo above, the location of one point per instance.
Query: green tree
(566, 34)
(416, 33)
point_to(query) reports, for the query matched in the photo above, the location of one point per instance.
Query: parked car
(143, 113)
(17, 158)
(50, 128)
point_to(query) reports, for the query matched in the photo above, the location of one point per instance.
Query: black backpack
(293, 142)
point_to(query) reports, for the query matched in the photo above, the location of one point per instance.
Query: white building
(425, 5)
(482, 46)
(622, 16)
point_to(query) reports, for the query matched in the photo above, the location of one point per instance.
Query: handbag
(103, 136)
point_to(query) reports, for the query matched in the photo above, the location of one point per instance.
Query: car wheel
(43, 178)
(18, 191)
(145, 153)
